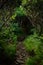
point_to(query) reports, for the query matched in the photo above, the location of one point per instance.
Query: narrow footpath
(21, 54)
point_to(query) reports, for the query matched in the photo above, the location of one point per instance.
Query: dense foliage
(17, 19)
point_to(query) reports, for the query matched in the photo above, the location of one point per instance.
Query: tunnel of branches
(25, 24)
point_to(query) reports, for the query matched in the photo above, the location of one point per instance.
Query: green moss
(33, 61)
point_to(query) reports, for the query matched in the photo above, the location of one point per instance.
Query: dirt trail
(21, 54)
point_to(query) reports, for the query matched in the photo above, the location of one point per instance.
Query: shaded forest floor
(21, 54)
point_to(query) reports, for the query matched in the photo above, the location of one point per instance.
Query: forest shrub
(10, 50)
(34, 46)
(32, 42)
(8, 39)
